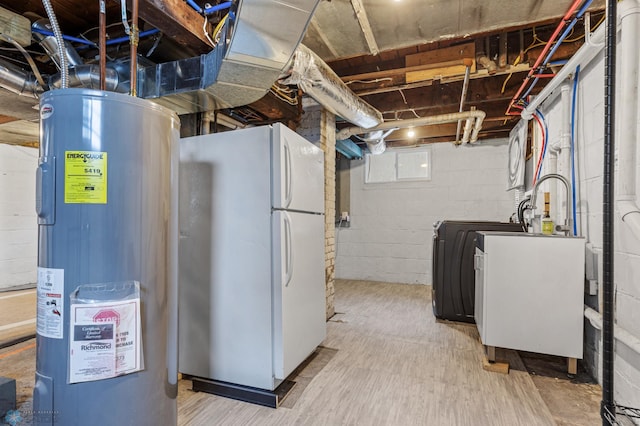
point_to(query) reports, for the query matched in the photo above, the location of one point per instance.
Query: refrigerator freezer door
(299, 293)
(298, 172)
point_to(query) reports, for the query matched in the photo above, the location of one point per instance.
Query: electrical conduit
(607, 405)
(58, 35)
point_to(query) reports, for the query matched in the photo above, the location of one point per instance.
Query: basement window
(398, 165)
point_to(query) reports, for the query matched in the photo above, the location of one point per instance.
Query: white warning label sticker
(50, 303)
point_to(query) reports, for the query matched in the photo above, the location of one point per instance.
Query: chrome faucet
(567, 227)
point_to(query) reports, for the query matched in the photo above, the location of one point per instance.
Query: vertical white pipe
(627, 203)
(564, 152)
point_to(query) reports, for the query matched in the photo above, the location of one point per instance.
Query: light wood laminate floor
(385, 361)
(391, 364)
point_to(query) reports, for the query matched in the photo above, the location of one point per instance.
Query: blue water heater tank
(107, 211)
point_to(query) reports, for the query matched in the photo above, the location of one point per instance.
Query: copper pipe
(133, 36)
(102, 45)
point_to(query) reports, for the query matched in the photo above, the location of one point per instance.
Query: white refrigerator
(252, 277)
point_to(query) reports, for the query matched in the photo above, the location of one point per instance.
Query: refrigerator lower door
(299, 288)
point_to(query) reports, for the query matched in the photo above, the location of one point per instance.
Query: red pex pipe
(555, 34)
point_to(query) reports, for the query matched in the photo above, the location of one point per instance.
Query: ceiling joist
(363, 20)
(176, 19)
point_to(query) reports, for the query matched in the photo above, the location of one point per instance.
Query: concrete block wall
(391, 230)
(18, 221)
(318, 126)
(589, 167)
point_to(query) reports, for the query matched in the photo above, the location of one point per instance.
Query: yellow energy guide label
(85, 177)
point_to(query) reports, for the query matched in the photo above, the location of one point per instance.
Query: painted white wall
(390, 238)
(18, 221)
(589, 166)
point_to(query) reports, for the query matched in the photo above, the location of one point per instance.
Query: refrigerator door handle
(288, 179)
(288, 249)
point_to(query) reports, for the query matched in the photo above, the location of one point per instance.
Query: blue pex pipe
(194, 6)
(90, 43)
(558, 42)
(66, 37)
(218, 7)
(126, 38)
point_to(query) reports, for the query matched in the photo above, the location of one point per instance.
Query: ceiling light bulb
(411, 133)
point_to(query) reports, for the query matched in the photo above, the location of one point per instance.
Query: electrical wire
(206, 33)
(403, 97)
(542, 148)
(155, 46)
(284, 95)
(123, 15)
(377, 80)
(217, 32)
(522, 206)
(64, 70)
(13, 49)
(546, 139)
(573, 148)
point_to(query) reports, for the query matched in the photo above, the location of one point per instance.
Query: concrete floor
(385, 361)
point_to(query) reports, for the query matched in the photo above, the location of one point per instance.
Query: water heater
(106, 200)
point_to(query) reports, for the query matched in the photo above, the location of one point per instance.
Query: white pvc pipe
(626, 200)
(468, 126)
(619, 333)
(583, 56)
(563, 147)
(422, 121)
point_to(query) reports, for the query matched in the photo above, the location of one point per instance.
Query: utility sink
(530, 292)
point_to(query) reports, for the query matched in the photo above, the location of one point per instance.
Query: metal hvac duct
(253, 52)
(259, 50)
(317, 80)
(18, 81)
(50, 44)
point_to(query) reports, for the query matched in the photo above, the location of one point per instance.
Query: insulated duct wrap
(317, 80)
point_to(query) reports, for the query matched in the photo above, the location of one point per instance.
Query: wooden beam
(7, 119)
(15, 27)
(275, 109)
(390, 86)
(447, 95)
(363, 20)
(401, 71)
(177, 20)
(442, 57)
(28, 144)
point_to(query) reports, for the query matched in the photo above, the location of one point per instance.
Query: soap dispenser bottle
(547, 223)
